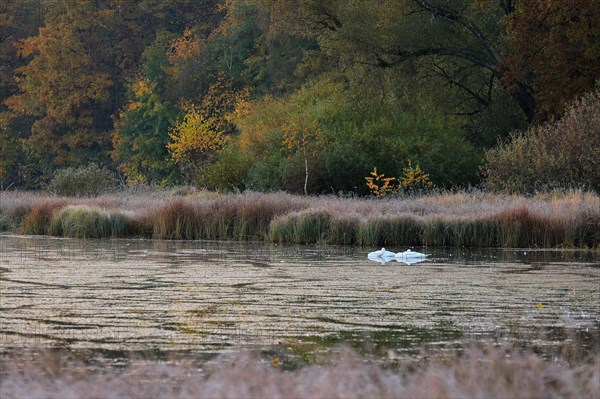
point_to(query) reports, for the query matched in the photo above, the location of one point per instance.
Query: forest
(302, 96)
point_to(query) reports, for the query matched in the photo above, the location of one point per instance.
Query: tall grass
(475, 219)
(477, 372)
(239, 217)
(37, 221)
(85, 222)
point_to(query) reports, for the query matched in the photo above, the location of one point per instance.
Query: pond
(126, 296)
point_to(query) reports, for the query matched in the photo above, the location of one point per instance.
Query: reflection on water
(209, 297)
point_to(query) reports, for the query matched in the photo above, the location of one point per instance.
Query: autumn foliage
(303, 96)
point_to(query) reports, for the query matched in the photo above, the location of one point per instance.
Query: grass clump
(177, 220)
(304, 227)
(343, 230)
(38, 219)
(391, 230)
(86, 222)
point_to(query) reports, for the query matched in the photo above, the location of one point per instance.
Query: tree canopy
(301, 95)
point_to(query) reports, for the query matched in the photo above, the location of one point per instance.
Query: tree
(63, 86)
(555, 48)
(141, 136)
(459, 42)
(18, 20)
(300, 137)
(195, 141)
(78, 66)
(198, 138)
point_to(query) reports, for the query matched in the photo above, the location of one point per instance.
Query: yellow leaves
(380, 185)
(261, 122)
(415, 180)
(142, 88)
(196, 138)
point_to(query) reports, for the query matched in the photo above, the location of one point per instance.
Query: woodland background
(301, 95)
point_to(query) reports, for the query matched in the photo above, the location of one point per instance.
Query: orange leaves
(184, 47)
(299, 135)
(380, 185)
(415, 180)
(183, 50)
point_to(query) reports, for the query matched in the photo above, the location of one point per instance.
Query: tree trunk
(306, 175)
(525, 101)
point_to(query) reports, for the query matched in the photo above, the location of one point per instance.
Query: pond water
(125, 296)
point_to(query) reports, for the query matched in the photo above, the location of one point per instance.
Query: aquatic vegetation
(86, 222)
(38, 219)
(474, 219)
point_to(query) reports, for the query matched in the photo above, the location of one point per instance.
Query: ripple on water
(135, 295)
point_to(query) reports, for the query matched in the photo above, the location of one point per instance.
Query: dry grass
(488, 372)
(570, 219)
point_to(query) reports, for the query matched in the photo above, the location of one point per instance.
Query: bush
(556, 156)
(85, 181)
(230, 172)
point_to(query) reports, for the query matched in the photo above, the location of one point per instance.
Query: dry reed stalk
(458, 219)
(476, 372)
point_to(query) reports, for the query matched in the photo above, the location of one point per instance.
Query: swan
(382, 253)
(388, 254)
(376, 254)
(410, 261)
(410, 254)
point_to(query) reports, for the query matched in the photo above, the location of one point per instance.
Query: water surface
(210, 297)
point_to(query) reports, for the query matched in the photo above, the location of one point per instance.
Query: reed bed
(82, 221)
(474, 219)
(477, 372)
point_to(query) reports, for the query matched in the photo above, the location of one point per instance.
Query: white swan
(376, 254)
(410, 261)
(382, 253)
(388, 254)
(410, 254)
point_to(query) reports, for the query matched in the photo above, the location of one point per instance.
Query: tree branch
(451, 80)
(471, 27)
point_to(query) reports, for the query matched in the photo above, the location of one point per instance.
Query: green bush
(354, 134)
(556, 156)
(84, 181)
(230, 172)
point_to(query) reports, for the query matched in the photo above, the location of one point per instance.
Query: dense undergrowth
(450, 219)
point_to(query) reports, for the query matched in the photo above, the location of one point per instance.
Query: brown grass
(38, 219)
(570, 219)
(477, 372)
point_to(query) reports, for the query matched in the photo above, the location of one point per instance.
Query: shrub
(560, 155)
(85, 181)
